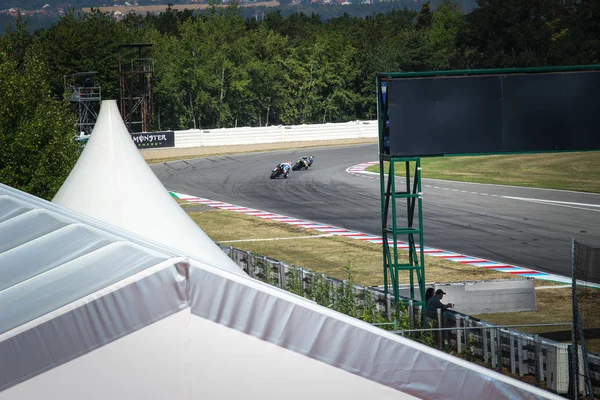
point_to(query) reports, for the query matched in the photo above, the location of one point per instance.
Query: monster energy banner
(150, 140)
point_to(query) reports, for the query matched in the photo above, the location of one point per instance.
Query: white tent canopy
(91, 311)
(126, 298)
(113, 183)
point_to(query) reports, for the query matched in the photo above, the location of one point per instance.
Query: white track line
(282, 238)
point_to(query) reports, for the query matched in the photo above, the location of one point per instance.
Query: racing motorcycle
(301, 164)
(278, 172)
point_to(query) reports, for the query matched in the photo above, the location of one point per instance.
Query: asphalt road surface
(520, 226)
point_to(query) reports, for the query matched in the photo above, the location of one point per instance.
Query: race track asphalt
(525, 227)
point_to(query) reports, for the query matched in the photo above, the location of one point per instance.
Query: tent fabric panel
(264, 370)
(255, 311)
(215, 363)
(148, 364)
(102, 227)
(48, 252)
(10, 208)
(335, 339)
(27, 226)
(92, 324)
(69, 282)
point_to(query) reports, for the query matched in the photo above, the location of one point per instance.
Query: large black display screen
(494, 113)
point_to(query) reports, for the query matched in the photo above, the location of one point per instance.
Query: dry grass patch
(578, 171)
(554, 306)
(222, 225)
(328, 255)
(183, 203)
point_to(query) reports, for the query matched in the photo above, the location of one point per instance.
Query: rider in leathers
(307, 160)
(285, 168)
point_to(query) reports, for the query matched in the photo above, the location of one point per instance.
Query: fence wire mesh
(586, 317)
(529, 357)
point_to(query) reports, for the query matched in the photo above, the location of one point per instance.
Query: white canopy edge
(240, 304)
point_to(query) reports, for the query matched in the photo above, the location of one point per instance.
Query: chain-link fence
(530, 357)
(586, 318)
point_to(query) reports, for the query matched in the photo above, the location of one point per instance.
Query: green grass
(332, 255)
(578, 171)
(328, 255)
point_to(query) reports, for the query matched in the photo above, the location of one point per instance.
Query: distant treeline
(355, 9)
(79, 4)
(224, 68)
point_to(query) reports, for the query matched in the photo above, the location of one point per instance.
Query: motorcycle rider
(307, 160)
(285, 168)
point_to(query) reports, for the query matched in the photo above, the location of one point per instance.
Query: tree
(582, 43)
(511, 33)
(447, 23)
(265, 68)
(424, 17)
(16, 39)
(86, 42)
(37, 134)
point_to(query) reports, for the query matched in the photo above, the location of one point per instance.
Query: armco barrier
(275, 134)
(519, 353)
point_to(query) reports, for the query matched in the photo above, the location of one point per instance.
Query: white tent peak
(113, 183)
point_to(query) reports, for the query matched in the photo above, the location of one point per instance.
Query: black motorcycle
(300, 165)
(277, 172)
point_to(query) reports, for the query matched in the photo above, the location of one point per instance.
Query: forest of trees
(220, 69)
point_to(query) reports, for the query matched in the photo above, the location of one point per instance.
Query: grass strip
(332, 255)
(553, 306)
(328, 255)
(578, 171)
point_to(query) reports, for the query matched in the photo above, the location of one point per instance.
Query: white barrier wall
(275, 134)
(483, 297)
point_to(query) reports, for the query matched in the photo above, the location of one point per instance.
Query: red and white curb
(336, 231)
(360, 170)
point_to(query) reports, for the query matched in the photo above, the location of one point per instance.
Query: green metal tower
(395, 226)
(499, 93)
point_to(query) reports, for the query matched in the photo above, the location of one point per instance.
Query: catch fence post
(538, 360)
(459, 334)
(512, 343)
(440, 326)
(520, 356)
(302, 282)
(498, 350)
(281, 270)
(493, 347)
(485, 344)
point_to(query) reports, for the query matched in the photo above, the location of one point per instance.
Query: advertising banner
(152, 140)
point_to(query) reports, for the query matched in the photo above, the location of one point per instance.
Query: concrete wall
(483, 297)
(275, 134)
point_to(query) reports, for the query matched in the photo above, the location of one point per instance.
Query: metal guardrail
(500, 347)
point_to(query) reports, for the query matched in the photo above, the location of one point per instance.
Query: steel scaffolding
(86, 98)
(135, 86)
